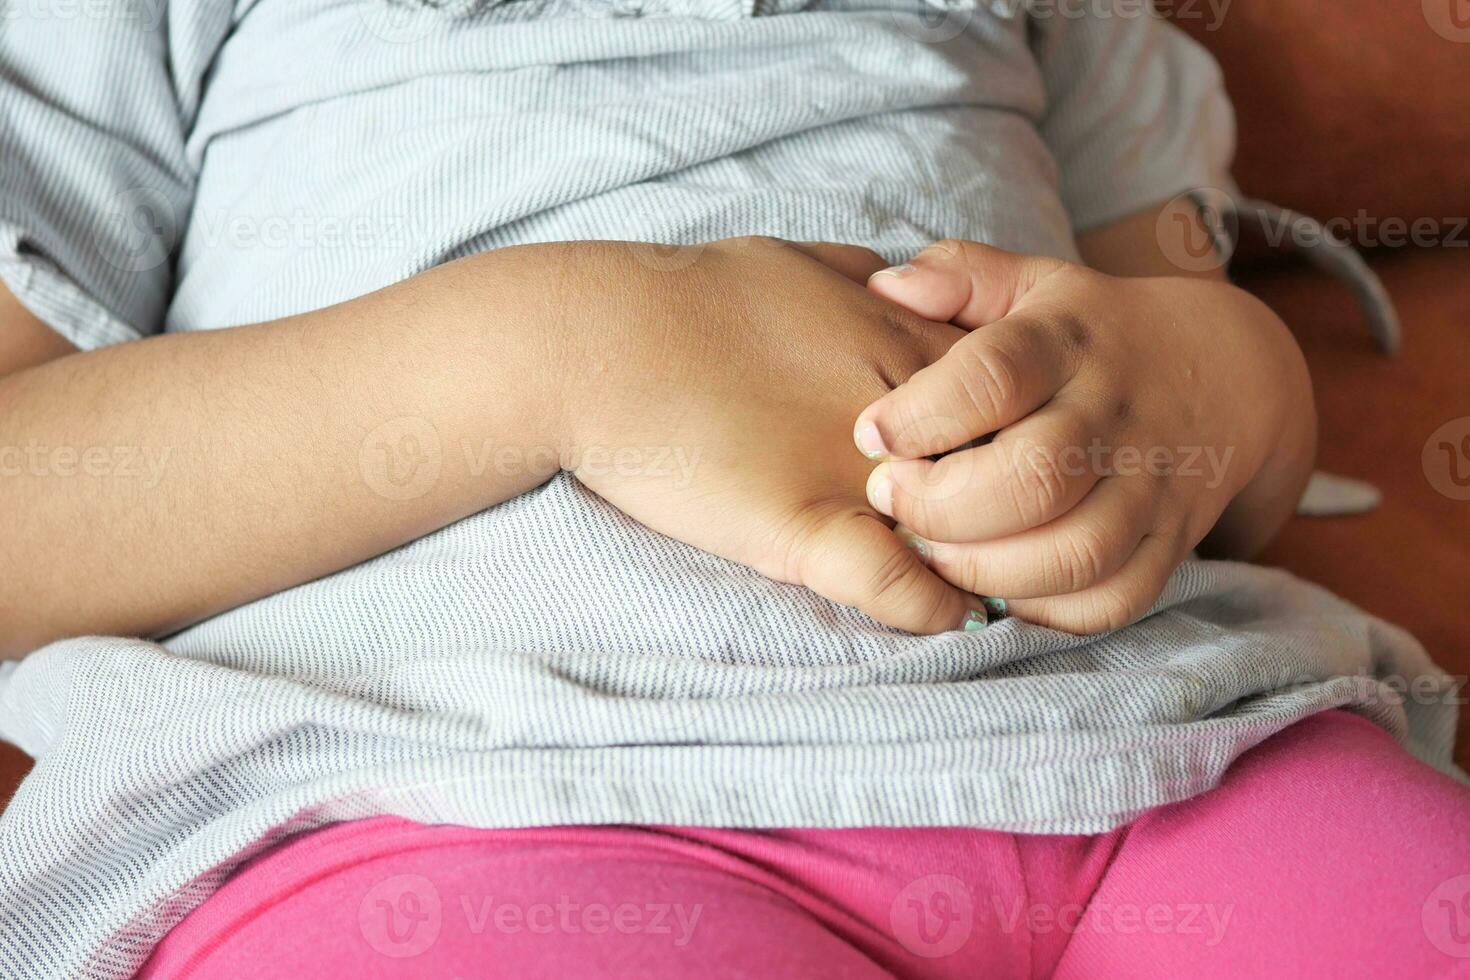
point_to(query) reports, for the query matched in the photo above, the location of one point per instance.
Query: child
(469, 513)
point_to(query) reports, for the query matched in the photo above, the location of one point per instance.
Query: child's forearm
(152, 484)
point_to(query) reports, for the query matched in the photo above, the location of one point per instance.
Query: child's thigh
(1327, 851)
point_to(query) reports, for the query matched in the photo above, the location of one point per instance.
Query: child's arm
(150, 484)
(1136, 416)
(147, 485)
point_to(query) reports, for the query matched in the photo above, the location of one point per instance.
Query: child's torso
(347, 145)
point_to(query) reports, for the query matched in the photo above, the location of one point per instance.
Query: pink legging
(1327, 852)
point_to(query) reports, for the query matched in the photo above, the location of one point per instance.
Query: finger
(857, 561)
(853, 261)
(964, 282)
(1122, 598)
(1032, 473)
(989, 379)
(1076, 552)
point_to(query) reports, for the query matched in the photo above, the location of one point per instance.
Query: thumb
(857, 561)
(965, 283)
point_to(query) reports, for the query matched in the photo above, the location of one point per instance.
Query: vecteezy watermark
(1197, 230)
(933, 916)
(1049, 468)
(1365, 230)
(398, 22)
(138, 229)
(666, 258)
(1446, 458)
(1445, 917)
(1211, 12)
(401, 459)
(675, 465)
(401, 916)
(676, 257)
(404, 916)
(1206, 920)
(1450, 19)
(144, 465)
(675, 920)
(938, 21)
(303, 230)
(1363, 689)
(148, 13)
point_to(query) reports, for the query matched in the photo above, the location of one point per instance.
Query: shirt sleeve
(94, 187)
(1136, 110)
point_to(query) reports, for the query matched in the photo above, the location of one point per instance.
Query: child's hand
(714, 402)
(1128, 414)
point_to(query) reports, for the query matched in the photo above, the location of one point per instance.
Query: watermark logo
(401, 916)
(933, 916)
(146, 13)
(1197, 230)
(934, 23)
(1446, 917)
(1450, 19)
(666, 258)
(398, 23)
(1446, 459)
(401, 459)
(140, 227)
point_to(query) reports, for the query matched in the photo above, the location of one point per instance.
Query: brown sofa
(1358, 111)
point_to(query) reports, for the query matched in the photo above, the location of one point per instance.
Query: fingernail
(995, 607)
(919, 546)
(896, 271)
(975, 619)
(880, 490)
(869, 440)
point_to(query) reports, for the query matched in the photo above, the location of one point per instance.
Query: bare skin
(266, 437)
(1135, 419)
(268, 433)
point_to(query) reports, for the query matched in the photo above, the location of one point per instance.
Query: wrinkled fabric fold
(586, 687)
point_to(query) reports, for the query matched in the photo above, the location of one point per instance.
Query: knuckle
(969, 571)
(795, 550)
(915, 428)
(1079, 558)
(988, 379)
(922, 515)
(1114, 607)
(1038, 485)
(889, 578)
(934, 499)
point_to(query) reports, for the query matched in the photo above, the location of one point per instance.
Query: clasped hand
(1037, 431)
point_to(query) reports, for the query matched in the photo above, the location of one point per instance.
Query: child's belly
(553, 574)
(357, 172)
